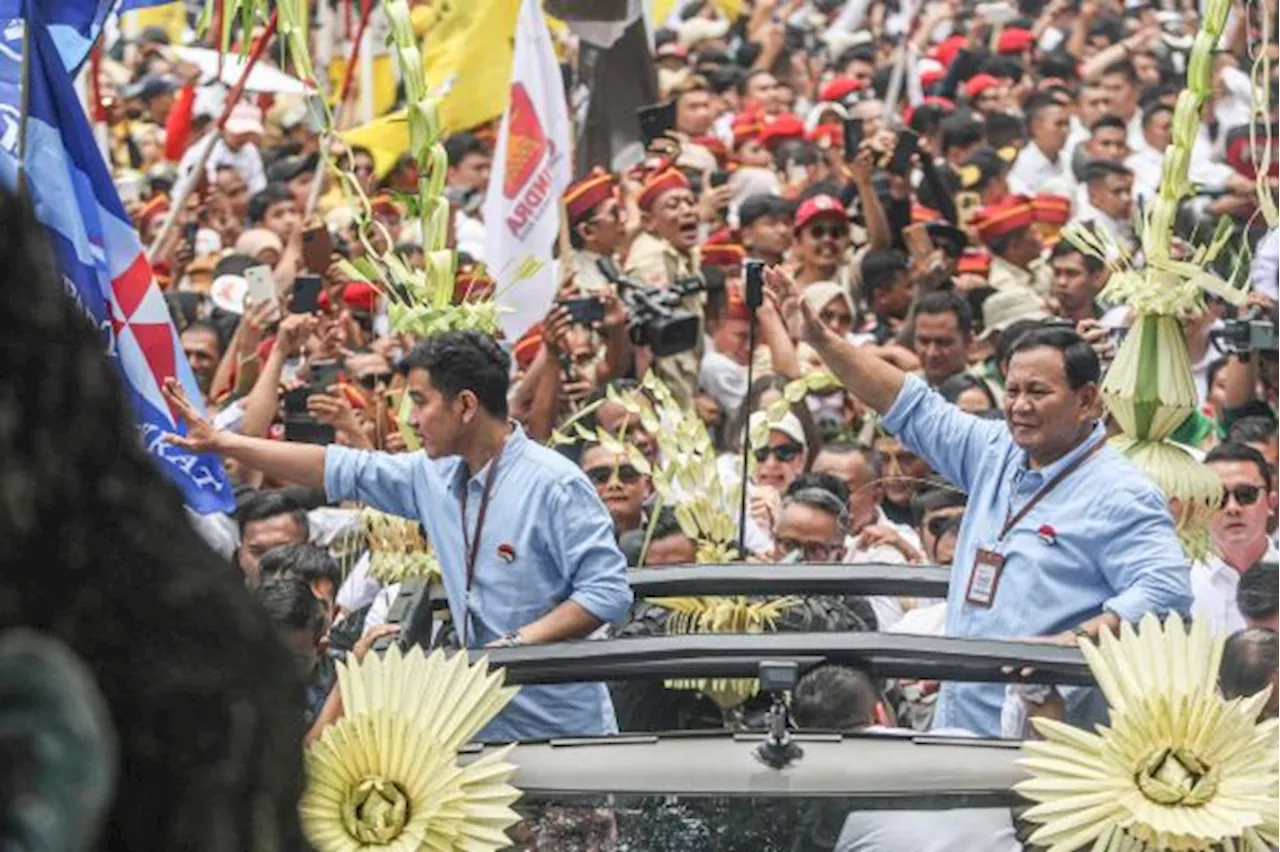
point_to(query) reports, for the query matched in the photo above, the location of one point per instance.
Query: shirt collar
(514, 446)
(1051, 470)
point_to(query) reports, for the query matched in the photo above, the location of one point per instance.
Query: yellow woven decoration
(386, 775)
(398, 551)
(1179, 768)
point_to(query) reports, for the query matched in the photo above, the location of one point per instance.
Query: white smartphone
(997, 13)
(262, 284)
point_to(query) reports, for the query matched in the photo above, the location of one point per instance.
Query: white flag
(531, 171)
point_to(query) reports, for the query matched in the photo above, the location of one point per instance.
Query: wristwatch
(510, 640)
(1081, 632)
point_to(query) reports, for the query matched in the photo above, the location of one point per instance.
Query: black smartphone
(306, 295)
(305, 429)
(755, 284)
(718, 178)
(295, 401)
(189, 233)
(324, 375)
(584, 311)
(852, 137)
(656, 120)
(908, 142)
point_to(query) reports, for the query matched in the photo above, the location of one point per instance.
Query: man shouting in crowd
(526, 547)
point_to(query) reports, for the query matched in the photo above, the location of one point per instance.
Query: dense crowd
(919, 267)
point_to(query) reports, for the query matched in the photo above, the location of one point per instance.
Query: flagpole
(189, 182)
(24, 107)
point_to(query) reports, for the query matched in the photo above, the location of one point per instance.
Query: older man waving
(1062, 536)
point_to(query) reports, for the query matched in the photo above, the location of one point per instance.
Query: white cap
(789, 425)
(228, 292)
(244, 118)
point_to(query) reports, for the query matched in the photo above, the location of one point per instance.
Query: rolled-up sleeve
(1143, 560)
(951, 441)
(589, 557)
(383, 480)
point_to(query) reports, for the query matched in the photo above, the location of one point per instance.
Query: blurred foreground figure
(143, 700)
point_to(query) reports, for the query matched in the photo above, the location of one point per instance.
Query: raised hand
(784, 291)
(202, 436)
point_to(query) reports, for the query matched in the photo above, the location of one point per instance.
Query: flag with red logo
(531, 170)
(97, 249)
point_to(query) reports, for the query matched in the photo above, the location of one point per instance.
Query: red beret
(585, 195)
(723, 254)
(744, 130)
(929, 76)
(978, 84)
(947, 49)
(360, 296)
(827, 136)
(526, 348)
(1007, 215)
(1015, 40)
(659, 183)
(819, 207)
(785, 126)
(836, 88)
(1051, 209)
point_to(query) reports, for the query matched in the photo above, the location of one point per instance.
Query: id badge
(985, 577)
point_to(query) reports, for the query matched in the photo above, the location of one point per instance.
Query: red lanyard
(471, 545)
(1011, 520)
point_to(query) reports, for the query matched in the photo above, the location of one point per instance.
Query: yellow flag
(170, 17)
(467, 57)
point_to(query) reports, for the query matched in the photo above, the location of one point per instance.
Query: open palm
(202, 436)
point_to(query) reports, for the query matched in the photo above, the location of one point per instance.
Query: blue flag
(98, 251)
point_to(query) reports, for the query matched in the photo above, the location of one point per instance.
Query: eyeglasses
(835, 318)
(371, 380)
(938, 523)
(833, 231)
(784, 453)
(812, 551)
(1246, 495)
(627, 474)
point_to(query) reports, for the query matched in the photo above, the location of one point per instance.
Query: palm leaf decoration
(386, 776)
(1179, 768)
(398, 550)
(1149, 388)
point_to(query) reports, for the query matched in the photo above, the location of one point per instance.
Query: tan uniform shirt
(1004, 275)
(587, 277)
(656, 262)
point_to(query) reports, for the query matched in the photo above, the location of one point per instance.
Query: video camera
(1250, 333)
(655, 318)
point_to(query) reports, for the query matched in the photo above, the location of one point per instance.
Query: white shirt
(1214, 584)
(1032, 169)
(1146, 162)
(956, 830)
(1264, 273)
(1121, 232)
(888, 609)
(247, 161)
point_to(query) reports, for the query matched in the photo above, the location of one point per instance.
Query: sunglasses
(784, 453)
(1246, 495)
(627, 474)
(833, 231)
(371, 380)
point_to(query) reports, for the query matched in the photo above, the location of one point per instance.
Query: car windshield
(667, 823)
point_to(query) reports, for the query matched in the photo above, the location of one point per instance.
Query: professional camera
(655, 318)
(1250, 333)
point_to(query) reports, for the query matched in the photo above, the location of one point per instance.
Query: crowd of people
(924, 266)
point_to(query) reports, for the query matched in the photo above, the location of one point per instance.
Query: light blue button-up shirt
(1113, 546)
(547, 538)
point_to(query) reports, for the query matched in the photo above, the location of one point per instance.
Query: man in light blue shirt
(526, 546)
(1062, 536)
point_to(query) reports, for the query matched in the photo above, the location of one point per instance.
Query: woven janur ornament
(1149, 388)
(386, 776)
(398, 551)
(1179, 767)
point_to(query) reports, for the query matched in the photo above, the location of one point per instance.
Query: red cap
(723, 254)
(932, 75)
(155, 207)
(469, 287)
(722, 235)
(384, 202)
(974, 262)
(585, 195)
(1015, 40)
(819, 207)
(1007, 215)
(836, 88)
(659, 183)
(785, 126)
(1051, 209)
(827, 136)
(526, 348)
(922, 215)
(978, 84)
(360, 296)
(947, 49)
